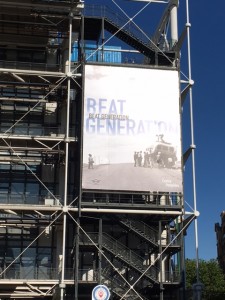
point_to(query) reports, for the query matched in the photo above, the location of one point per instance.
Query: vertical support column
(77, 261)
(160, 260)
(103, 38)
(100, 252)
(183, 270)
(192, 143)
(65, 208)
(174, 26)
(82, 46)
(82, 60)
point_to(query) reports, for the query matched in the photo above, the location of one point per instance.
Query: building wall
(220, 231)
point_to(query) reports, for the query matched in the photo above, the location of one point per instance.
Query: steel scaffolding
(59, 240)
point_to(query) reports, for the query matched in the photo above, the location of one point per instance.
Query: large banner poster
(131, 130)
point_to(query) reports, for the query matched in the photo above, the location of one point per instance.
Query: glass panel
(32, 193)
(17, 193)
(28, 270)
(44, 263)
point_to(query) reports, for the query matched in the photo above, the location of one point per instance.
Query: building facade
(91, 164)
(220, 231)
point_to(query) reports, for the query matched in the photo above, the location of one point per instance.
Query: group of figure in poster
(148, 159)
(143, 159)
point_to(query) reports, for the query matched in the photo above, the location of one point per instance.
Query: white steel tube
(30, 72)
(174, 26)
(54, 208)
(192, 142)
(66, 162)
(131, 211)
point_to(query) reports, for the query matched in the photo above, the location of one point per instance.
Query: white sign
(100, 292)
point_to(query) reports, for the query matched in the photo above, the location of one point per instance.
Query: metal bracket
(185, 91)
(188, 153)
(178, 45)
(164, 20)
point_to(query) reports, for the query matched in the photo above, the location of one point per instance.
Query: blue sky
(207, 48)
(207, 53)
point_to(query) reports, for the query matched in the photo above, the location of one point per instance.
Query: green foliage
(210, 274)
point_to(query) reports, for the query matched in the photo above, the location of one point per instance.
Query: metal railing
(143, 229)
(130, 258)
(33, 66)
(149, 233)
(35, 273)
(117, 19)
(123, 253)
(45, 273)
(10, 198)
(84, 275)
(146, 199)
(35, 130)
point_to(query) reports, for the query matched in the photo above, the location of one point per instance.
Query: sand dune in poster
(125, 177)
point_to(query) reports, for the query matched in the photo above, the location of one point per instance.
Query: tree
(210, 274)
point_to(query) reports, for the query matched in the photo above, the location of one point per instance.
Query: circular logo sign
(100, 292)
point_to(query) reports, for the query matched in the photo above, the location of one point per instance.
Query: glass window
(32, 193)
(28, 264)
